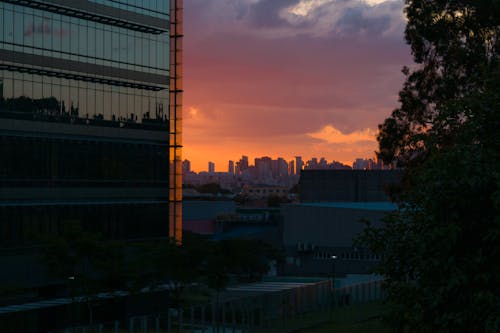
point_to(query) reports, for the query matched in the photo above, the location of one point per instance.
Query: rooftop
(378, 206)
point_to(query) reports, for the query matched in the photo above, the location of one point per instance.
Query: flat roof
(378, 206)
(241, 232)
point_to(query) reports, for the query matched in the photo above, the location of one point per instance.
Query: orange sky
(282, 78)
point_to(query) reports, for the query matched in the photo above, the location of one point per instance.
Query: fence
(273, 312)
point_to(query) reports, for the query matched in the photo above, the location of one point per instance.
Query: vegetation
(440, 249)
(212, 188)
(86, 263)
(359, 318)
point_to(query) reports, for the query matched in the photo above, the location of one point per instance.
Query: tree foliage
(212, 188)
(455, 46)
(441, 248)
(85, 263)
(202, 261)
(87, 258)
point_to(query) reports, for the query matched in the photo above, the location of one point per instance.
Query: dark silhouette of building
(347, 185)
(90, 108)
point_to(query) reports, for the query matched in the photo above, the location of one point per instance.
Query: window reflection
(69, 99)
(33, 31)
(87, 106)
(155, 8)
(130, 161)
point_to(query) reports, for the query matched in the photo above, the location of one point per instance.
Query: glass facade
(55, 161)
(88, 128)
(21, 224)
(175, 110)
(89, 70)
(155, 8)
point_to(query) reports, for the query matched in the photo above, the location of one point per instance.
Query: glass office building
(90, 108)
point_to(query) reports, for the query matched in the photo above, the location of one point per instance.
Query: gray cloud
(353, 22)
(324, 19)
(349, 18)
(266, 13)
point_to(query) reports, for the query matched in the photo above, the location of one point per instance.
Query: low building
(200, 216)
(251, 223)
(264, 191)
(315, 232)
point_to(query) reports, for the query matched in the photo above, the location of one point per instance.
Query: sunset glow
(308, 78)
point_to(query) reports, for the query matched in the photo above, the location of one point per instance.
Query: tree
(165, 261)
(440, 249)
(85, 262)
(455, 44)
(212, 188)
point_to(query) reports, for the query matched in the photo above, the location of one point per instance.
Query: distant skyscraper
(298, 164)
(186, 166)
(244, 163)
(241, 165)
(263, 167)
(312, 164)
(211, 167)
(323, 164)
(230, 167)
(282, 167)
(362, 164)
(368, 164)
(291, 168)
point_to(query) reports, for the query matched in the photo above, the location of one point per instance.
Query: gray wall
(325, 230)
(324, 226)
(206, 210)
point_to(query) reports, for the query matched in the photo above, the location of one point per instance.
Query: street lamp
(333, 257)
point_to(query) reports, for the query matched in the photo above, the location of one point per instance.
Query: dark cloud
(266, 13)
(281, 18)
(353, 22)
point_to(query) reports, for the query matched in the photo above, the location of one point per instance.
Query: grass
(362, 318)
(358, 318)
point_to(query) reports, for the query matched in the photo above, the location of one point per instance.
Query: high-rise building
(230, 167)
(90, 118)
(291, 168)
(367, 164)
(263, 167)
(211, 167)
(242, 164)
(323, 164)
(186, 166)
(282, 167)
(298, 165)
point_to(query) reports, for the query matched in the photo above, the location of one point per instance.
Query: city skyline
(232, 164)
(274, 95)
